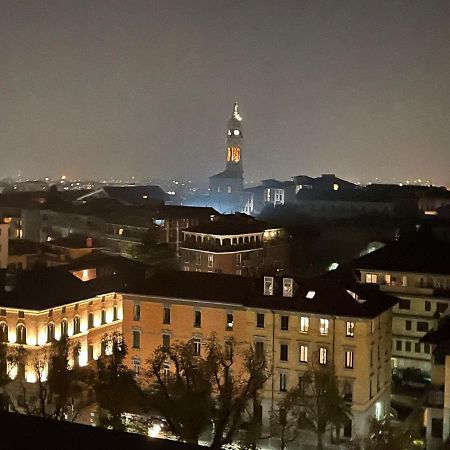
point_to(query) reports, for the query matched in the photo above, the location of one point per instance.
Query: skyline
(106, 89)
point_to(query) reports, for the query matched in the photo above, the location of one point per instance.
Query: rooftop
(230, 224)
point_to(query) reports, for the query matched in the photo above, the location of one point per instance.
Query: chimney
(89, 242)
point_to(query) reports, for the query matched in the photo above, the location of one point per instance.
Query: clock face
(236, 132)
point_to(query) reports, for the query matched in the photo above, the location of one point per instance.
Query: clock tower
(231, 180)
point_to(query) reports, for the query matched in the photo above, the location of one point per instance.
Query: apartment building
(293, 322)
(417, 270)
(235, 244)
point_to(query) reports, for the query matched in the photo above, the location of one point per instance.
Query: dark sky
(119, 88)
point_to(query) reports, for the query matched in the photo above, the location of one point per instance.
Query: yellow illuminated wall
(233, 154)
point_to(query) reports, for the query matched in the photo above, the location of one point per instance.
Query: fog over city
(144, 88)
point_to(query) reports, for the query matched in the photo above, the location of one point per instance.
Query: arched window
(115, 316)
(50, 332)
(91, 320)
(90, 352)
(64, 328)
(3, 332)
(21, 334)
(103, 316)
(76, 325)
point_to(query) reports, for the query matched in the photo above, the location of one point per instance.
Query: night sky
(145, 88)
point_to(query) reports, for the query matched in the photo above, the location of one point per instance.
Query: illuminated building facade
(237, 245)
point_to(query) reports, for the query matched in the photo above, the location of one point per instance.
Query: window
(408, 325)
(324, 323)
(239, 259)
(136, 363)
(64, 328)
(427, 305)
(283, 382)
(228, 350)
(349, 360)
(303, 354)
(137, 312)
(322, 355)
(398, 345)
(103, 346)
(350, 329)
(50, 332)
(417, 347)
(197, 319)
(407, 346)
(91, 320)
(197, 346)
(284, 323)
(2, 312)
(422, 326)
(371, 278)
(210, 260)
(288, 287)
(50, 313)
(76, 325)
(136, 339)
(115, 316)
(283, 352)
(103, 316)
(166, 341)
(426, 348)
(21, 334)
(259, 349)
(437, 428)
(21, 315)
(268, 285)
(229, 323)
(166, 315)
(3, 332)
(259, 320)
(348, 391)
(90, 352)
(304, 324)
(404, 304)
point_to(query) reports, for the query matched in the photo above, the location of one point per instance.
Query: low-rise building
(235, 244)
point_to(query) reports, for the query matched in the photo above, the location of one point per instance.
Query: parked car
(415, 378)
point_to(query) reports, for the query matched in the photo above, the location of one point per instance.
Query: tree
(317, 403)
(115, 388)
(383, 436)
(8, 362)
(284, 421)
(189, 390)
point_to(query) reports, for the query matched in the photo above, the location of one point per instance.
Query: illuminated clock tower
(231, 180)
(235, 140)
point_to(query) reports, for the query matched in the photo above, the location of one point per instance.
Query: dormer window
(268, 285)
(288, 287)
(310, 295)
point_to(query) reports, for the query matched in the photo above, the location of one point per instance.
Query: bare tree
(189, 390)
(318, 403)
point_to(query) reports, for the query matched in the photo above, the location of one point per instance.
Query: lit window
(103, 317)
(304, 324)
(350, 329)
(324, 325)
(335, 187)
(310, 295)
(288, 287)
(210, 260)
(21, 334)
(349, 360)
(64, 328)
(3, 332)
(197, 346)
(229, 324)
(268, 285)
(322, 355)
(120, 231)
(91, 320)
(76, 325)
(303, 353)
(371, 278)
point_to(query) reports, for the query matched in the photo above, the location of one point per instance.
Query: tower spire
(236, 111)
